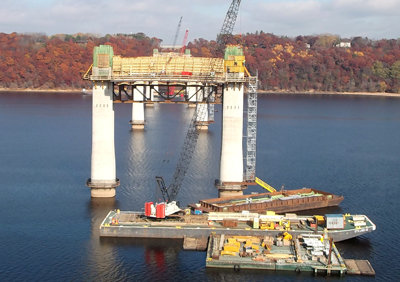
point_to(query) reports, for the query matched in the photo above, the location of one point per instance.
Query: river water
(348, 145)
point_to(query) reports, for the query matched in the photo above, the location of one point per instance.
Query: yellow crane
(265, 185)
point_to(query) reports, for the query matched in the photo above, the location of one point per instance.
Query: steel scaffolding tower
(251, 144)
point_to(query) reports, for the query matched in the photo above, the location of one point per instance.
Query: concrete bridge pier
(202, 113)
(149, 94)
(191, 92)
(137, 121)
(103, 169)
(231, 166)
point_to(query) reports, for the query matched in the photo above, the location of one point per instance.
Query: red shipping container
(147, 208)
(160, 211)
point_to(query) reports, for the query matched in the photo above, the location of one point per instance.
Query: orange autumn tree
(304, 63)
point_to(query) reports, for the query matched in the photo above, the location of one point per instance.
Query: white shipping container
(334, 221)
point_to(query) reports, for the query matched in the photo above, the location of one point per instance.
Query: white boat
(86, 92)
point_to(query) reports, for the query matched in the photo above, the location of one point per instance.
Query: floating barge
(304, 252)
(136, 224)
(279, 201)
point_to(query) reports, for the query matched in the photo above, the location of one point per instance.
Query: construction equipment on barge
(136, 224)
(303, 253)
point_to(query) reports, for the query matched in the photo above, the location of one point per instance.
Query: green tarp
(233, 51)
(102, 49)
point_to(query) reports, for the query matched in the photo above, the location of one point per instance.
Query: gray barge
(136, 224)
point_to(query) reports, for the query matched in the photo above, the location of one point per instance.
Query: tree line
(304, 63)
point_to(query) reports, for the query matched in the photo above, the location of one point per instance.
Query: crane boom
(229, 22)
(184, 42)
(177, 32)
(170, 193)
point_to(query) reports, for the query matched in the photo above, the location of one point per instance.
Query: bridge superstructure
(171, 78)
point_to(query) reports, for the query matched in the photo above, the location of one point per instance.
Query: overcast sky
(374, 19)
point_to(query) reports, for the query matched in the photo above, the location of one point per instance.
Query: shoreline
(378, 94)
(39, 90)
(264, 92)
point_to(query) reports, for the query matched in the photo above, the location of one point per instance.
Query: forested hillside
(309, 63)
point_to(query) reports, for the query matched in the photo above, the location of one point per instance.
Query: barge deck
(307, 252)
(136, 224)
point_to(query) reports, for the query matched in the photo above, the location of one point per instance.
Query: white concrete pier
(191, 92)
(231, 166)
(149, 94)
(137, 120)
(202, 113)
(103, 171)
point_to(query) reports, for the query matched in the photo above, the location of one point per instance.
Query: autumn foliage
(309, 63)
(36, 61)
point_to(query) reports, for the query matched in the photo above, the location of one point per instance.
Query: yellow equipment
(265, 185)
(285, 223)
(287, 236)
(255, 246)
(223, 253)
(231, 247)
(267, 225)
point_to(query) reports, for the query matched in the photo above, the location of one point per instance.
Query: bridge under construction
(174, 78)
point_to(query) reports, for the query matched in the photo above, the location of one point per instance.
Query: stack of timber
(279, 201)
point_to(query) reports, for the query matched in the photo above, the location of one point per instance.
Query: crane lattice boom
(177, 32)
(189, 145)
(229, 22)
(184, 42)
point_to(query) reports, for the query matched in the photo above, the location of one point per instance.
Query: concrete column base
(202, 127)
(102, 193)
(229, 189)
(137, 125)
(229, 193)
(102, 189)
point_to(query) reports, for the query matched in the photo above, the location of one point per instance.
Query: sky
(375, 19)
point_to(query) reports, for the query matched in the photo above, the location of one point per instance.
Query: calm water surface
(50, 225)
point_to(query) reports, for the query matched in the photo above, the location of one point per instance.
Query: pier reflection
(102, 261)
(137, 169)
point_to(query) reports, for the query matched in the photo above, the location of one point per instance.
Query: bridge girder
(168, 92)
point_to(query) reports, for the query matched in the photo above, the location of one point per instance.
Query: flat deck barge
(279, 201)
(303, 253)
(136, 224)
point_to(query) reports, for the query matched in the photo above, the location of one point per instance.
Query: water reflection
(148, 259)
(102, 260)
(356, 248)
